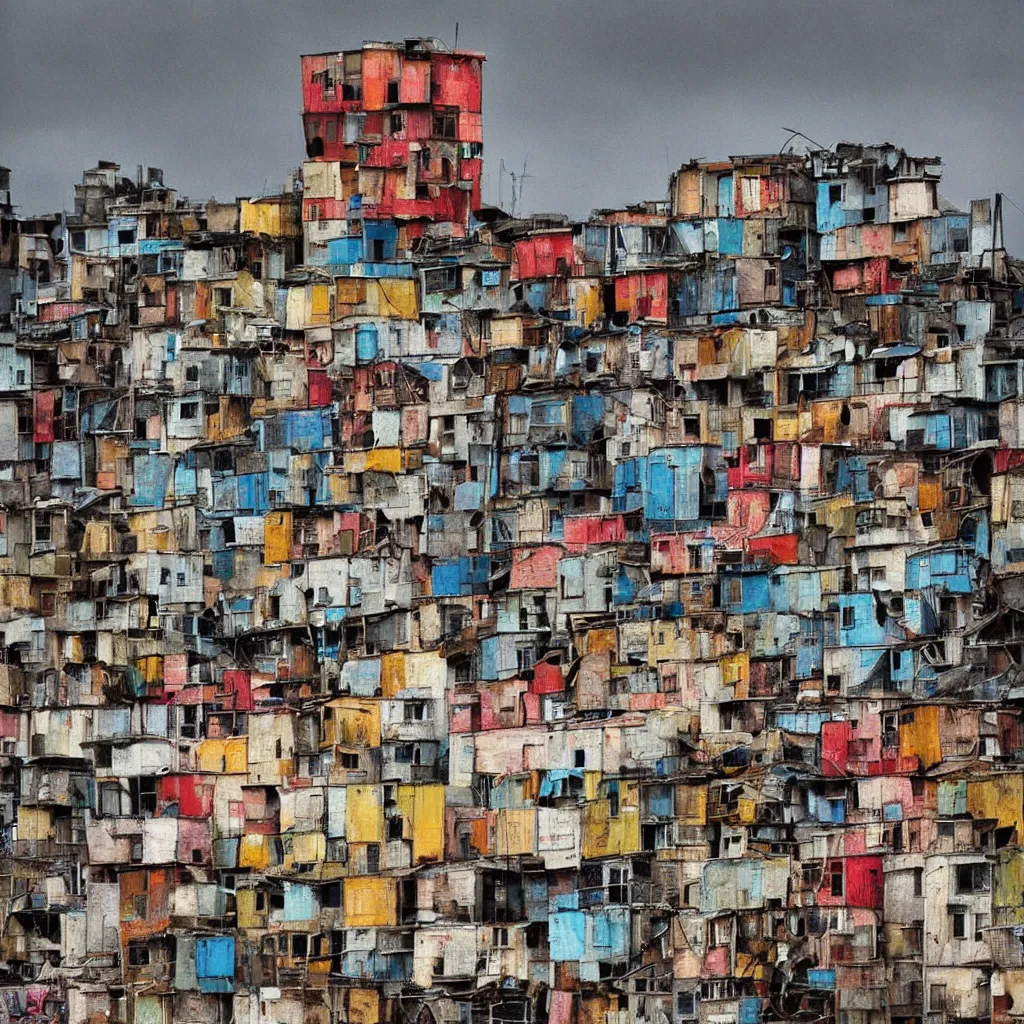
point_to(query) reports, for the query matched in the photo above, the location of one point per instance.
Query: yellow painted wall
(245, 907)
(220, 756)
(921, 737)
(277, 537)
(370, 902)
(364, 815)
(1000, 797)
(587, 300)
(34, 823)
(363, 1006)
(279, 220)
(307, 848)
(392, 297)
(392, 673)
(515, 832)
(736, 672)
(254, 852)
(1008, 884)
(423, 808)
(354, 723)
(79, 275)
(605, 836)
(319, 304)
(384, 460)
(691, 804)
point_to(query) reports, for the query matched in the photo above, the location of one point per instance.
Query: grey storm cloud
(602, 98)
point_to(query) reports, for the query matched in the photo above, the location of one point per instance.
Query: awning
(895, 352)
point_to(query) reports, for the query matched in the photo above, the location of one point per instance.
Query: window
(441, 279)
(373, 858)
(868, 215)
(43, 533)
(445, 123)
(146, 801)
(958, 924)
(392, 94)
(191, 374)
(188, 410)
(947, 830)
(735, 590)
(222, 297)
(416, 711)
(890, 729)
(721, 931)
(811, 875)
(613, 799)
(126, 236)
(973, 878)
(849, 617)
(836, 878)
(835, 194)
(618, 889)
(396, 123)
(138, 954)
(331, 130)
(771, 277)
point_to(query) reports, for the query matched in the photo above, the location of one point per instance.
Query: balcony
(44, 849)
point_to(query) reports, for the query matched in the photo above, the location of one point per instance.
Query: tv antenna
(517, 183)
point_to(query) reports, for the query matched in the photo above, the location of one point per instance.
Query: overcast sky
(603, 97)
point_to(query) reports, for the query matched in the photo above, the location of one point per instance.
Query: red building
(408, 117)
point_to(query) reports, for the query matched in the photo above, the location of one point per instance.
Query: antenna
(517, 179)
(796, 132)
(456, 36)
